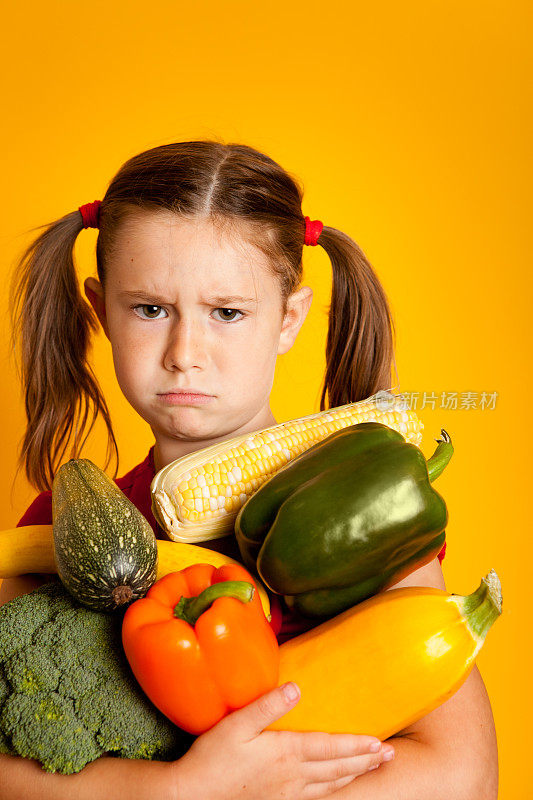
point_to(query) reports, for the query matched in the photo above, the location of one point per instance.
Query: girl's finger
(317, 746)
(332, 770)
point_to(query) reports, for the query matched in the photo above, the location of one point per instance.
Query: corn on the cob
(197, 497)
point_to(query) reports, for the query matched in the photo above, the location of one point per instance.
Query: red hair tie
(313, 229)
(89, 214)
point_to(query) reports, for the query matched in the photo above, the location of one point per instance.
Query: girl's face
(189, 308)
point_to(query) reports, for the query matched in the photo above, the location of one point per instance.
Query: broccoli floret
(45, 727)
(30, 670)
(29, 612)
(67, 693)
(96, 710)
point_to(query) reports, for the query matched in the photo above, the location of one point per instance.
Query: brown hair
(230, 183)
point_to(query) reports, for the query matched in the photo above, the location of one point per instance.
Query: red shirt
(285, 622)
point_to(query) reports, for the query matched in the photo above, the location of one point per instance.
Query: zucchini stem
(481, 608)
(122, 595)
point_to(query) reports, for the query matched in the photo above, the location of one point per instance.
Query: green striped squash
(105, 550)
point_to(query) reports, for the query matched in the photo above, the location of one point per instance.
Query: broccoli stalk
(67, 693)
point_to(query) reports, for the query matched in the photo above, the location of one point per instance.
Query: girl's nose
(184, 347)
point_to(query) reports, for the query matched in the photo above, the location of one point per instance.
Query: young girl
(199, 261)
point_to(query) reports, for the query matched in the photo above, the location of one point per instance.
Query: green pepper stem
(191, 608)
(481, 608)
(440, 458)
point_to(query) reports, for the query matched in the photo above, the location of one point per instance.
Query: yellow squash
(30, 548)
(385, 663)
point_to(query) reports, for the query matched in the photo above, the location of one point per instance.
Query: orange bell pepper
(200, 645)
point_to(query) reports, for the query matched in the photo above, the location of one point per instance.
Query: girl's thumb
(256, 716)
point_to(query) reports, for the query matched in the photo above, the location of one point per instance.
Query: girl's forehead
(169, 232)
(160, 250)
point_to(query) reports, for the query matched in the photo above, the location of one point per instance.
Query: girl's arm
(101, 779)
(13, 587)
(449, 753)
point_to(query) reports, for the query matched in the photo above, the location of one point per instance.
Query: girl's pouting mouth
(182, 398)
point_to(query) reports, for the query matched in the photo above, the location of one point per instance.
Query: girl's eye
(227, 312)
(151, 310)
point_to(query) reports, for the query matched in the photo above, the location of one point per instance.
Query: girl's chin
(185, 424)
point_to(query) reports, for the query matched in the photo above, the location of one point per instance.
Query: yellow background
(409, 125)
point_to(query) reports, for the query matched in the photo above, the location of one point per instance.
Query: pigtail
(53, 324)
(360, 340)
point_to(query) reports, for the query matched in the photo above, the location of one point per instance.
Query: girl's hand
(238, 760)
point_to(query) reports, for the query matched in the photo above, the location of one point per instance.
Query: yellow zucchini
(30, 548)
(385, 663)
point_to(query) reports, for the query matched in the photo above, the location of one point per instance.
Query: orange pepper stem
(191, 608)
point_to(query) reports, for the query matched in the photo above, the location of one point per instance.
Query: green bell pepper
(352, 515)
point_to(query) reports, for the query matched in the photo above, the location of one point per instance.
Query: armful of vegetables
(67, 694)
(352, 515)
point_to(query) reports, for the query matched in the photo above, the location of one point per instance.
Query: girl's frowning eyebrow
(218, 300)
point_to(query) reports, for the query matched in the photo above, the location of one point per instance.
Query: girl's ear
(94, 292)
(298, 304)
